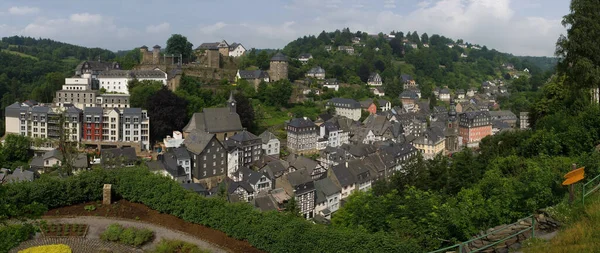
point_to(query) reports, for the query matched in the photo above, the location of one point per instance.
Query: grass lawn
(20, 54)
(579, 234)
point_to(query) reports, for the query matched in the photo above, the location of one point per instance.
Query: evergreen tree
(579, 50)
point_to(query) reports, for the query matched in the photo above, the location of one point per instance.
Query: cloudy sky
(521, 27)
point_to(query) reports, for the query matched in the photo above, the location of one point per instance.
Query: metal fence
(462, 247)
(585, 192)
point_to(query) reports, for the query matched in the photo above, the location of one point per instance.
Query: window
(204, 157)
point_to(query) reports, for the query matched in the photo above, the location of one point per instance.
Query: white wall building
(348, 108)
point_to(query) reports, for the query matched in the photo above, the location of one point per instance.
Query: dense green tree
(141, 91)
(579, 50)
(167, 112)
(178, 44)
(246, 111)
(424, 38)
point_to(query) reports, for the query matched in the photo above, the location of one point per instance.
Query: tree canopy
(178, 44)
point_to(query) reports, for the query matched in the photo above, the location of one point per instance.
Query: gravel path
(98, 224)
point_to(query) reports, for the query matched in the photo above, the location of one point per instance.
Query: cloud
(389, 4)
(86, 18)
(160, 28)
(23, 10)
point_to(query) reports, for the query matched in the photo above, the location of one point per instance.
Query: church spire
(231, 103)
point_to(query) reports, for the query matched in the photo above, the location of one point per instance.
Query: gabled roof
(127, 153)
(373, 77)
(305, 56)
(343, 175)
(431, 136)
(251, 176)
(244, 136)
(475, 114)
(19, 175)
(406, 78)
(275, 167)
(331, 81)
(196, 141)
(298, 177)
(266, 136)
(410, 94)
(209, 46)
(316, 70)
(326, 187)
(214, 120)
(301, 162)
(279, 57)
(181, 153)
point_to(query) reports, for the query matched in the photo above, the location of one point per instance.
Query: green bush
(240, 221)
(112, 233)
(170, 246)
(11, 236)
(90, 208)
(130, 236)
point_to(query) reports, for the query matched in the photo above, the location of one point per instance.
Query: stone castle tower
(224, 48)
(278, 69)
(150, 57)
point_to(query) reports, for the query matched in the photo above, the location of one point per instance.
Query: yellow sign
(574, 176)
(574, 172)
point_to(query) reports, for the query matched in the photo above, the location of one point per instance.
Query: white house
(271, 145)
(378, 91)
(236, 50)
(444, 94)
(374, 80)
(117, 80)
(328, 197)
(332, 84)
(348, 108)
(316, 72)
(384, 105)
(304, 58)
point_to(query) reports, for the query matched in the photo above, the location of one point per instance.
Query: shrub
(169, 246)
(90, 208)
(112, 233)
(12, 235)
(130, 236)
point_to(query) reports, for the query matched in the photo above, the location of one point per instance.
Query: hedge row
(11, 236)
(269, 231)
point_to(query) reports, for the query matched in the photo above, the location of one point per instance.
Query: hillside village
(315, 165)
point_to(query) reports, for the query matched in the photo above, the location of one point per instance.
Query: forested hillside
(36, 68)
(432, 63)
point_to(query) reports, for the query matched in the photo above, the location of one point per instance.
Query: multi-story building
(118, 80)
(136, 126)
(301, 135)
(249, 146)
(300, 185)
(93, 123)
(209, 158)
(112, 100)
(330, 133)
(431, 142)
(474, 126)
(270, 144)
(42, 121)
(348, 108)
(524, 120)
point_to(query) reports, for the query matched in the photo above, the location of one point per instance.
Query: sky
(520, 27)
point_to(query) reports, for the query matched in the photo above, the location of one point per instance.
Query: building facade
(348, 108)
(474, 126)
(302, 135)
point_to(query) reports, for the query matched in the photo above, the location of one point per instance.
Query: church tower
(452, 141)
(231, 103)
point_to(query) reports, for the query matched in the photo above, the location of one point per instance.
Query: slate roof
(181, 153)
(196, 141)
(325, 116)
(19, 175)
(406, 78)
(331, 81)
(279, 57)
(244, 136)
(209, 46)
(214, 120)
(316, 70)
(301, 123)
(305, 56)
(251, 176)
(343, 175)
(244, 185)
(128, 153)
(197, 188)
(373, 77)
(503, 114)
(301, 162)
(253, 74)
(274, 168)
(266, 136)
(475, 114)
(359, 150)
(409, 94)
(344, 102)
(265, 203)
(499, 124)
(431, 136)
(325, 187)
